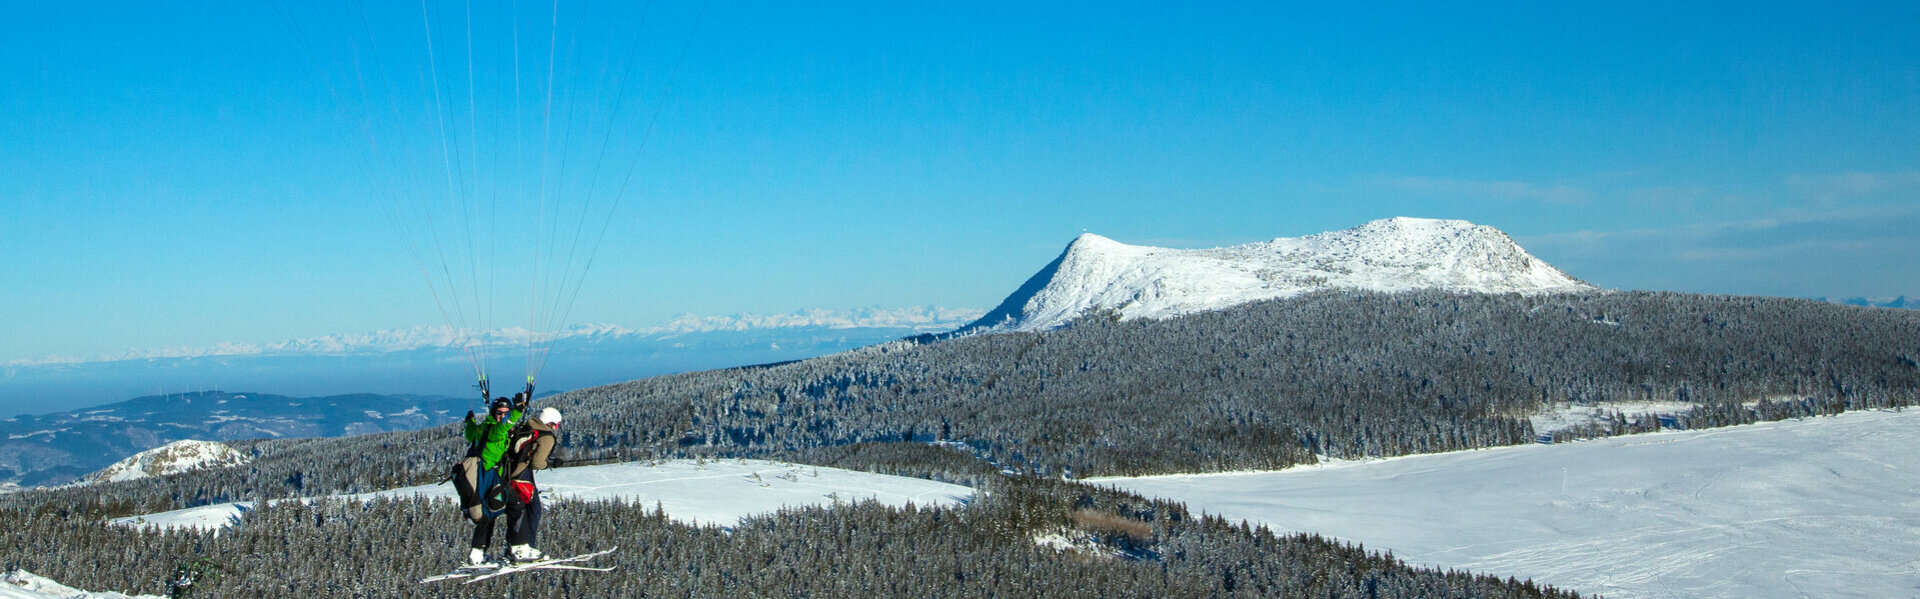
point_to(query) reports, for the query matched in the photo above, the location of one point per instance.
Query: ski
(469, 571)
(464, 571)
(546, 564)
(484, 571)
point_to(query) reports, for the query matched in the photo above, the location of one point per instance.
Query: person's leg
(482, 534)
(532, 522)
(465, 483)
(516, 519)
(523, 516)
(523, 524)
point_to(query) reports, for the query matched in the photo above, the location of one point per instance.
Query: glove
(469, 416)
(555, 461)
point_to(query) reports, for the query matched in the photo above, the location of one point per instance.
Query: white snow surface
(696, 492)
(1566, 416)
(1822, 507)
(1396, 254)
(21, 584)
(207, 517)
(172, 458)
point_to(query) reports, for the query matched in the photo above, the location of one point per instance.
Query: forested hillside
(1266, 385)
(1126, 547)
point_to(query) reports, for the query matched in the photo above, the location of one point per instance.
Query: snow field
(698, 492)
(1821, 507)
(21, 584)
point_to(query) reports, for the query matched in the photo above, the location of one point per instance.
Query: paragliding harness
(522, 442)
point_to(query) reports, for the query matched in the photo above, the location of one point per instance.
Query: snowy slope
(21, 584)
(1822, 507)
(696, 492)
(172, 458)
(1396, 254)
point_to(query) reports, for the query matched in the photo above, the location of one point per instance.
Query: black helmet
(501, 402)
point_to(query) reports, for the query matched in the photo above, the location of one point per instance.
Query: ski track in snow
(1822, 507)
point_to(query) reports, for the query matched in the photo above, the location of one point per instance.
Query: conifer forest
(1020, 417)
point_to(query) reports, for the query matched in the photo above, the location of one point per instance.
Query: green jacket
(494, 435)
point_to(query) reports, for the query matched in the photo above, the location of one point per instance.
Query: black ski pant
(523, 520)
(483, 533)
(523, 523)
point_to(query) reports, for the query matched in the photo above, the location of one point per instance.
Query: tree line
(1133, 547)
(1265, 385)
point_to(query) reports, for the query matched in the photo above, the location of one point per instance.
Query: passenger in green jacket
(476, 476)
(489, 435)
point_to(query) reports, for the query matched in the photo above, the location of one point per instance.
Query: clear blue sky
(179, 174)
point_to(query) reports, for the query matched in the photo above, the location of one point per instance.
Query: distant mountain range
(921, 319)
(432, 361)
(57, 448)
(1892, 302)
(1094, 275)
(1097, 274)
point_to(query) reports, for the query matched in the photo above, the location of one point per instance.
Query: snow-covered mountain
(173, 458)
(1396, 254)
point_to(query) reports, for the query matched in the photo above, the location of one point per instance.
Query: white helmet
(550, 416)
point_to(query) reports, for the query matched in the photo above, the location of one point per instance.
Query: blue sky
(179, 174)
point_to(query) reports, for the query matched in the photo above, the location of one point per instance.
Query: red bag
(525, 490)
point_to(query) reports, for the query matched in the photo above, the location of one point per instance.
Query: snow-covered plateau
(1820, 507)
(700, 492)
(1397, 254)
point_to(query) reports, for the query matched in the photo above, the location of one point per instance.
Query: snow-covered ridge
(172, 458)
(919, 319)
(1396, 254)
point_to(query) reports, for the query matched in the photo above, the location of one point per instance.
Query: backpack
(522, 442)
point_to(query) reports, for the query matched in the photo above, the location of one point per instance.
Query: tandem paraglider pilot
(496, 476)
